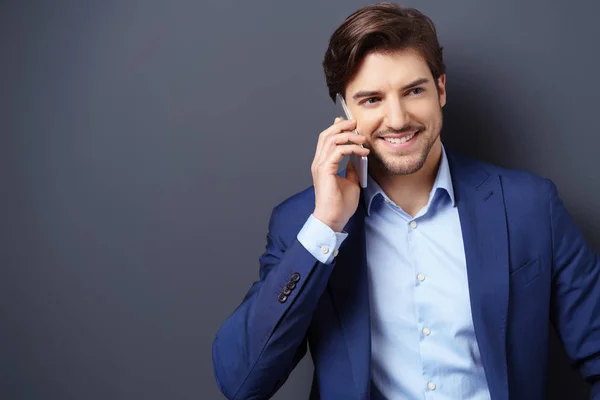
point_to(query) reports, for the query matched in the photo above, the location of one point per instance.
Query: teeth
(399, 140)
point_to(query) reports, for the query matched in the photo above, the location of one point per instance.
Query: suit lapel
(480, 203)
(349, 288)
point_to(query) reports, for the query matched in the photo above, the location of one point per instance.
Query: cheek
(368, 124)
(426, 112)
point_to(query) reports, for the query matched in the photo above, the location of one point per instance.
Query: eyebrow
(370, 93)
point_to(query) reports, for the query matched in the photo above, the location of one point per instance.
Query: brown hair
(382, 27)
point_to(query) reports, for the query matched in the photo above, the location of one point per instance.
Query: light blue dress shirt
(423, 344)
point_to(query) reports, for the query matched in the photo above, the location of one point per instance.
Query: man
(436, 281)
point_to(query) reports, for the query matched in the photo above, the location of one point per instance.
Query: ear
(441, 83)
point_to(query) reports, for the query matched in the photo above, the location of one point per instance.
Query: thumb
(351, 173)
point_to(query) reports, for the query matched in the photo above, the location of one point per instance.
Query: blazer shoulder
(511, 178)
(289, 216)
(299, 203)
(521, 186)
(521, 179)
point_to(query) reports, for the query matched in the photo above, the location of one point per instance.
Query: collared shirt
(423, 343)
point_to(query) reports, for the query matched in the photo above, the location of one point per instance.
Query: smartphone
(359, 162)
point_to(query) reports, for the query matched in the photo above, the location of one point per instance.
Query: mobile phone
(359, 162)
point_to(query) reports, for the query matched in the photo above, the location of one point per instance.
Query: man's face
(398, 108)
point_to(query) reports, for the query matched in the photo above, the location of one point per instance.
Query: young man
(439, 279)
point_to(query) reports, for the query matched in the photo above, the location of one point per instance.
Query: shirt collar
(443, 181)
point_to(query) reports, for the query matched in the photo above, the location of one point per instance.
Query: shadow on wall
(476, 124)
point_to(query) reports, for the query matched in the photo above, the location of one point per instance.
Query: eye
(416, 91)
(370, 100)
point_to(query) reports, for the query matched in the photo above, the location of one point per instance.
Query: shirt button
(336, 252)
(431, 386)
(426, 331)
(413, 224)
(420, 277)
(325, 249)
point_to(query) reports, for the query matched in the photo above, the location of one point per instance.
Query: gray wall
(144, 143)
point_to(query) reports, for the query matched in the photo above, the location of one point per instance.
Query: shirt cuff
(320, 240)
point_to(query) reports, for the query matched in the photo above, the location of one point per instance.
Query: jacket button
(291, 285)
(295, 277)
(286, 291)
(282, 298)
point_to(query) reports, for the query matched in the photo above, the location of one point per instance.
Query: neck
(411, 192)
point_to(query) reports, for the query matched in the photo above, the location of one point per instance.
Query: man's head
(387, 63)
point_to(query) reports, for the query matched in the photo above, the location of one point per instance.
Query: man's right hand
(336, 197)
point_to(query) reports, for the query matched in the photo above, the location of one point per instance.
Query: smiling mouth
(401, 140)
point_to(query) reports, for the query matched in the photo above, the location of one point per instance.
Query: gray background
(144, 144)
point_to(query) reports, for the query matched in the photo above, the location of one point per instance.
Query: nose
(396, 115)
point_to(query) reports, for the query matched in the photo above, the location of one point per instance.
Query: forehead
(388, 70)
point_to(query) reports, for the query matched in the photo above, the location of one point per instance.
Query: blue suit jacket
(527, 264)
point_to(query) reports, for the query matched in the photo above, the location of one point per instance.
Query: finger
(345, 138)
(340, 139)
(343, 150)
(338, 127)
(351, 173)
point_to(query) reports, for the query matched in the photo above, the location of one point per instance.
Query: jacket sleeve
(576, 291)
(261, 342)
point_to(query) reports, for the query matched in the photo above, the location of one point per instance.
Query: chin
(406, 166)
(402, 164)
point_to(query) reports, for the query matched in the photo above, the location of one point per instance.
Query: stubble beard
(406, 164)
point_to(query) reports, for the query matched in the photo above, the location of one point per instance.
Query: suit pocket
(526, 273)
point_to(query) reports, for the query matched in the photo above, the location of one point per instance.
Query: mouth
(401, 141)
